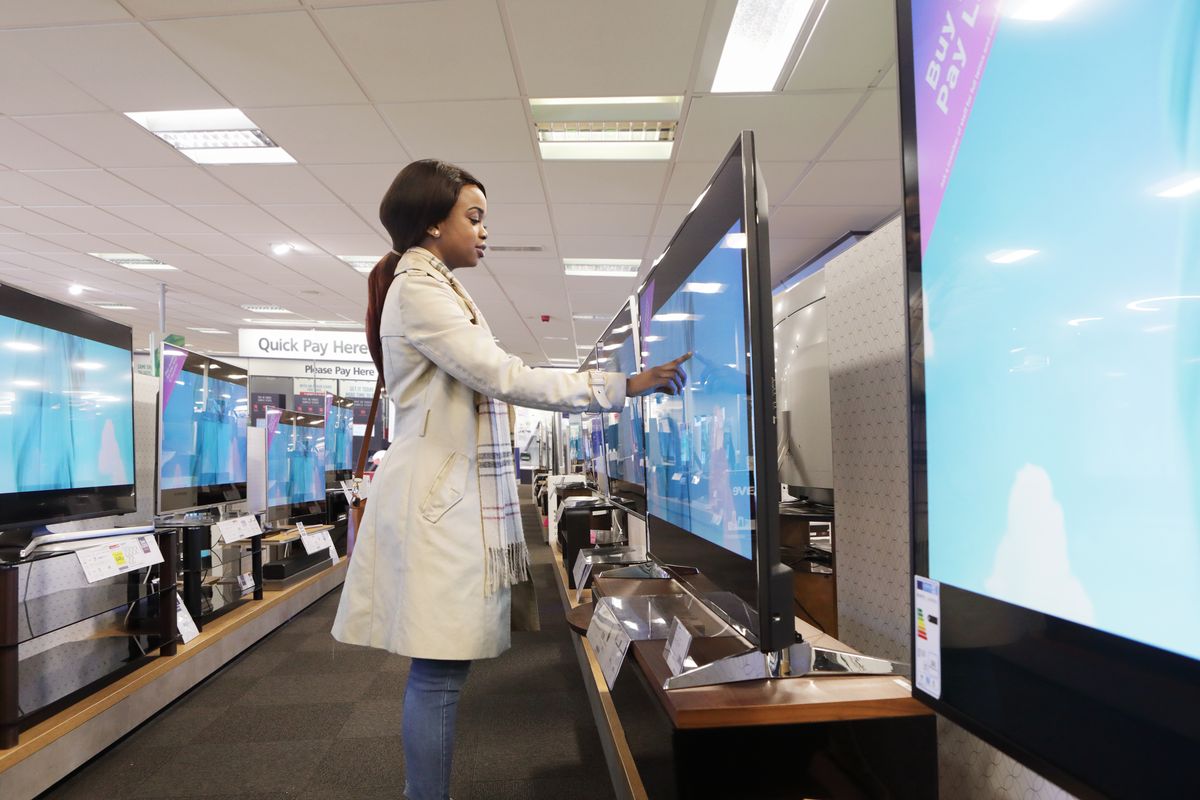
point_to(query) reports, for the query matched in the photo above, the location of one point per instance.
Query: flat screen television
(203, 406)
(712, 491)
(295, 466)
(339, 439)
(622, 435)
(66, 414)
(1051, 155)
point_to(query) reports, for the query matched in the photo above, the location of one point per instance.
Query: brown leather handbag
(359, 504)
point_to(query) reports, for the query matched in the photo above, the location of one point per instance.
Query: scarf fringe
(506, 566)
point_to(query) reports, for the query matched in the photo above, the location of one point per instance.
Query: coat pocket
(447, 488)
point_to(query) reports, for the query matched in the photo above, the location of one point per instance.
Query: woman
(441, 540)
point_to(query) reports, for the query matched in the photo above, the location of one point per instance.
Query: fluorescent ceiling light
(133, 261)
(213, 136)
(603, 101)
(1180, 187)
(605, 151)
(304, 323)
(606, 132)
(760, 40)
(674, 316)
(1039, 10)
(590, 317)
(1010, 256)
(602, 267)
(703, 288)
(113, 306)
(363, 264)
(265, 309)
(209, 330)
(734, 241)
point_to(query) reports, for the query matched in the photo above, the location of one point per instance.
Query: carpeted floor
(302, 716)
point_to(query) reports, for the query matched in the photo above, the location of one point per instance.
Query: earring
(436, 233)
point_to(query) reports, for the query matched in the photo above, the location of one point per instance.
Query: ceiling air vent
(516, 248)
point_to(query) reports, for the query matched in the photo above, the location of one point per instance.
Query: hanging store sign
(303, 345)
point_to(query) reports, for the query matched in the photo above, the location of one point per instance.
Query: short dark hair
(422, 195)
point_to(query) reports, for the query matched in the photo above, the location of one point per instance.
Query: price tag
(679, 641)
(581, 564)
(184, 622)
(300, 527)
(315, 542)
(246, 581)
(106, 560)
(333, 554)
(609, 641)
(238, 528)
(927, 612)
(350, 491)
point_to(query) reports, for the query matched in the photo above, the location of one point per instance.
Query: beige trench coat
(415, 582)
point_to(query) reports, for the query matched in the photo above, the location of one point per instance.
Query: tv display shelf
(62, 637)
(211, 573)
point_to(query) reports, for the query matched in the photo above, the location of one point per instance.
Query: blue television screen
(202, 445)
(622, 439)
(66, 414)
(295, 459)
(699, 474)
(339, 434)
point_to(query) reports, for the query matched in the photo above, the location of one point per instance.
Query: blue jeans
(430, 708)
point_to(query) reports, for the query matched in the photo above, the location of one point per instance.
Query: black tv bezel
(1116, 716)
(200, 496)
(754, 596)
(308, 511)
(21, 510)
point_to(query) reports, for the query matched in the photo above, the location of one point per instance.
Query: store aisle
(301, 716)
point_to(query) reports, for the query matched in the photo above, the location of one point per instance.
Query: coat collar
(422, 259)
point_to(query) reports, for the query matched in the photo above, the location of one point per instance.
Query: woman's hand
(668, 379)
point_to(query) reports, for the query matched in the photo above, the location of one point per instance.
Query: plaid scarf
(506, 556)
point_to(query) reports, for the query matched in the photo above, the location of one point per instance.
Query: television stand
(800, 660)
(29, 539)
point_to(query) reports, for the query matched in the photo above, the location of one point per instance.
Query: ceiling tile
(74, 242)
(602, 247)
(240, 220)
(535, 266)
(29, 87)
(486, 130)
(20, 13)
(507, 183)
(211, 244)
(850, 183)
(180, 185)
(162, 220)
(604, 182)
(314, 219)
(849, 47)
(669, 218)
(358, 183)
(351, 245)
(146, 77)
(330, 134)
(88, 219)
(22, 190)
(614, 48)
(873, 133)
(263, 59)
(517, 219)
(369, 214)
(825, 222)
(106, 139)
(502, 238)
(158, 9)
(94, 186)
(888, 81)
(605, 219)
(21, 148)
(787, 127)
(147, 244)
(24, 243)
(24, 220)
(367, 39)
(788, 255)
(273, 183)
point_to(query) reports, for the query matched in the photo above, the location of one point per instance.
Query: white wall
(868, 314)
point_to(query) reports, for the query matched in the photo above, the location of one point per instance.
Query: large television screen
(1052, 176)
(710, 452)
(295, 465)
(622, 430)
(204, 406)
(66, 412)
(339, 436)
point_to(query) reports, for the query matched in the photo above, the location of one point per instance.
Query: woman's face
(462, 236)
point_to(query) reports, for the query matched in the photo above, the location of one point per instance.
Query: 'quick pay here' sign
(307, 345)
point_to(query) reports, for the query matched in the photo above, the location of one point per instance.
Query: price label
(610, 642)
(300, 527)
(106, 560)
(315, 542)
(927, 623)
(184, 622)
(679, 641)
(350, 491)
(238, 528)
(333, 554)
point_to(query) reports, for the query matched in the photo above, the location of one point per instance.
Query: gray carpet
(302, 716)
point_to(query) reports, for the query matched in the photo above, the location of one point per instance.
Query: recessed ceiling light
(606, 151)
(210, 330)
(761, 38)
(516, 248)
(606, 128)
(591, 317)
(363, 264)
(602, 267)
(304, 323)
(1010, 256)
(135, 261)
(213, 136)
(265, 309)
(282, 248)
(113, 306)
(76, 290)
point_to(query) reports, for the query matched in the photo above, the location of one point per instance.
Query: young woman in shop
(441, 545)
